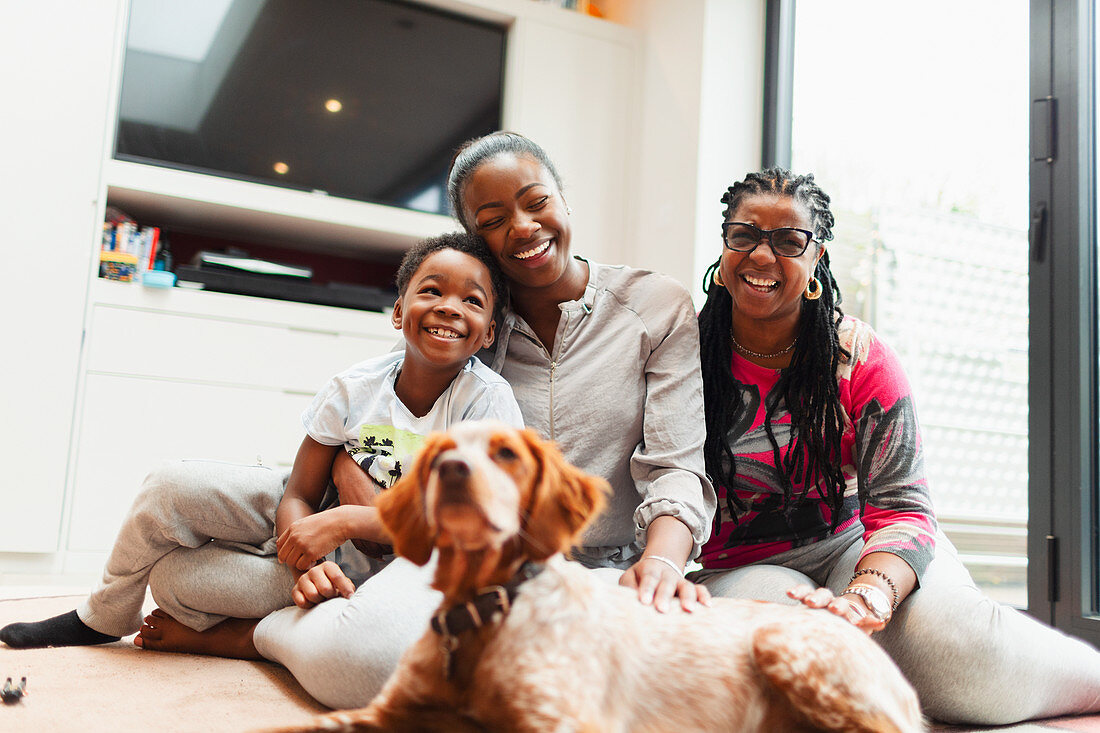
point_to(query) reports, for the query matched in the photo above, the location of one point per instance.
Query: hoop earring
(813, 289)
(718, 277)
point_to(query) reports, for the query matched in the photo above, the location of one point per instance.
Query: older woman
(813, 445)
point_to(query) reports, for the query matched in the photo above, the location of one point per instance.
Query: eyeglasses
(784, 242)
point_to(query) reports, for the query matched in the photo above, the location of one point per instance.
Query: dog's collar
(487, 606)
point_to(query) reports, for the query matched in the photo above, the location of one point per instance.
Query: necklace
(746, 352)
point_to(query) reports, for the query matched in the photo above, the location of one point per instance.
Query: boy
(200, 534)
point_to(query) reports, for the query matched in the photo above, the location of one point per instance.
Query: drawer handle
(303, 392)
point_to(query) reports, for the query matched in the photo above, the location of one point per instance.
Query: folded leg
(203, 586)
(343, 650)
(182, 504)
(976, 661)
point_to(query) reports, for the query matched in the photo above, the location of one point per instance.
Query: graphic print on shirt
(759, 486)
(381, 449)
(893, 463)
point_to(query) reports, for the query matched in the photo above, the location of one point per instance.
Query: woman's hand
(849, 607)
(657, 584)
(658, 575)
(320, 583)
(310, 538)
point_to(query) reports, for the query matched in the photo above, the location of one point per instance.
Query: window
(914, 119)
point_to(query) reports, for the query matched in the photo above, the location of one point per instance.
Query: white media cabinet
(109, 379)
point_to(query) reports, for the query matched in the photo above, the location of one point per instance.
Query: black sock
(64, 630)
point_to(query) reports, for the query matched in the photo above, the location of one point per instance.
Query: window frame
(1062, 430)
(778, 111)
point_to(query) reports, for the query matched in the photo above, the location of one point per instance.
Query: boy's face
(446, 311)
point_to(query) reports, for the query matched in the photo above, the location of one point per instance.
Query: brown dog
(527, 641)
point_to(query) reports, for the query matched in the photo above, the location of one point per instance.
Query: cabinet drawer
(129, 426)
(203, 349)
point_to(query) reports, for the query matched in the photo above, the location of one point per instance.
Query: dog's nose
(453, 472)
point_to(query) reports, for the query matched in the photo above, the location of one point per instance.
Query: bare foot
(231, 638)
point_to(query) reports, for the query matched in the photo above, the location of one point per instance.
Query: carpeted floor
(120, 688)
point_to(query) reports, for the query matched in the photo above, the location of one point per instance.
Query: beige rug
(119, 687)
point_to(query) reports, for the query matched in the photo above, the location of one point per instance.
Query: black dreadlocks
(808, 386)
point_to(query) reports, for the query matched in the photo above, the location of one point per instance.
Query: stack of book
(127, 250)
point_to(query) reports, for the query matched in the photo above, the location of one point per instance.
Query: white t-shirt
(359, 409)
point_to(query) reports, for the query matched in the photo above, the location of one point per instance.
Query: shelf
(226, 207)
(242, 309)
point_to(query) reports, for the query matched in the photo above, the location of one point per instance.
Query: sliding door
(1064, 504)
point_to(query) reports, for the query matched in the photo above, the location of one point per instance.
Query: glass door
(1062, 583)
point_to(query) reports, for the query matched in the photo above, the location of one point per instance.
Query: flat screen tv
(360, 99)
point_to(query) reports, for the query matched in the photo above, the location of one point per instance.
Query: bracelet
(666, 561)
(884, 576)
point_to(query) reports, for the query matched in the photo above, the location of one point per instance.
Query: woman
(603, 360)
(813, 445)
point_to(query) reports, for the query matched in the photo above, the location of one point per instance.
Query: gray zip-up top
(622, 394)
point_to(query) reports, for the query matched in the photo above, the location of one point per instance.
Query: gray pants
(971, 660)
(216, 520)
(200, 536)
(343, 650)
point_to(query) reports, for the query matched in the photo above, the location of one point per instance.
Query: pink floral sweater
(883, 466)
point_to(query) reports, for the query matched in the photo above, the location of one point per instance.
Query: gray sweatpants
(200, 535)
(217, 520)
(971, 660)
(343, 650)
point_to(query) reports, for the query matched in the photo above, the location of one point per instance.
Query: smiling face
(446, 311)
(765, 287)
(473, 492)
(513, 203)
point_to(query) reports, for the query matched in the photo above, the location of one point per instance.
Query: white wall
(702, 97)
(56, 60)
(730, 124)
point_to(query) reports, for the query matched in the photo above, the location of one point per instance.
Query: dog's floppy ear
(562, 502)
(401, 507)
